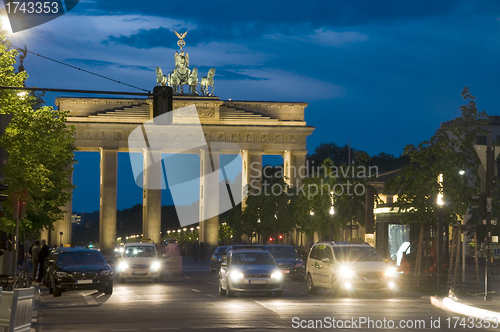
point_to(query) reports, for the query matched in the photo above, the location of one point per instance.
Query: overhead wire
(84, 70)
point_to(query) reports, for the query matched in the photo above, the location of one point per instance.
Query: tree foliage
(449, 151)
(40, 150)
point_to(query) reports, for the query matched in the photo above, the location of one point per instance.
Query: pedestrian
(202, 252)
(35, 250)
(196, 249)
(43, 254)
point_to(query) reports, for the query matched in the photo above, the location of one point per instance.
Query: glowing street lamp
(311, 213)
(332, 211)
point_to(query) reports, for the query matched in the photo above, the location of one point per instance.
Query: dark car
(245, 246)
(80, 269)
(49, 262)
(288, 261)
(216, 259)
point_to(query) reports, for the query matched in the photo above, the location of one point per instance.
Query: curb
(451, 304)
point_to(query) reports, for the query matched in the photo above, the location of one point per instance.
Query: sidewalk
(471, 303)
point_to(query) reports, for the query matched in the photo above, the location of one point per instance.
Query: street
(192, 302)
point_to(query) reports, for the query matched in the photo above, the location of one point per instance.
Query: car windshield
(283, 252)
(139, 251)
(252, 258)
(221, 250)
(358, 254)
(80, 258)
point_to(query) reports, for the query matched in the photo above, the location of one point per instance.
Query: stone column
(151, 203)
(298, 167)
(107, 212)
(45, 235)
(209, 198)
(251, 170)
(63, 225)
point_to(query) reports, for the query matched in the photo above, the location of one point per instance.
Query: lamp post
(332, 212)
(439, 232)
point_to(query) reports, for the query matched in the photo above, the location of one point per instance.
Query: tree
(269, 209)
(449, 151)
(334, 188)
(40, 149)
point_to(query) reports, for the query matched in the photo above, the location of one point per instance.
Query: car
(288, 261)
(49, 263)
(139, 260)
(344, 267)
(216, 259)
(247, 270)
(80, 269)
(245, 246)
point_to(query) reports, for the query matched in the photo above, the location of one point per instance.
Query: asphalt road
(192, 303)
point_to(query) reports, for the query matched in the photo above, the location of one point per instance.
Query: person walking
(44, 253)
(196, 251)
(202, 252)
(35, 250)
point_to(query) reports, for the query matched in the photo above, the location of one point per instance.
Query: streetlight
(332, 211)
(439, 233)
(311, 213)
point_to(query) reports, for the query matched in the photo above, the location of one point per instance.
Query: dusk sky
(383, 74)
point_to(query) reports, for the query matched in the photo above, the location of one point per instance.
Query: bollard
(16, 310)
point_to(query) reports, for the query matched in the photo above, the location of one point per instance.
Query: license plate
(257, 282)
(285, 271)
(372, 281)
(80, 282)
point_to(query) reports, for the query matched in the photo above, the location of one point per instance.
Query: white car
(250, 271)
(345, 267)
(139, 261)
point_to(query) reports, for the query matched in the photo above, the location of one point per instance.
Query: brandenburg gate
(200, 123)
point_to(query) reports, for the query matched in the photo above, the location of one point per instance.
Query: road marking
(100, 295)
(126, 290)
(88, 297)
(188, 277)
(195, 290)
(125, 330)
(210, 295)
(163, 328)
(211, 282)
(265, 306)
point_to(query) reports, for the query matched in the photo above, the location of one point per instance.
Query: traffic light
(479, 203)
(162, 104)
(3, 198)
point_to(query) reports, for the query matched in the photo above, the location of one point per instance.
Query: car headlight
(122, 266)
(346, 272)
(236, 275)
(105, 272)
(155, 266)
(391, 272)
(62, 274)
(277, 275)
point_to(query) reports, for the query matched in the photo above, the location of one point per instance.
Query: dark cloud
(88, 63)
(228, 20)
(229, 74)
